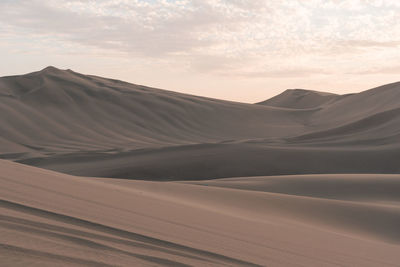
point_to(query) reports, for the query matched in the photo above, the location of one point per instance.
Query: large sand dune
(53, 219)
(56, 111)
(92, 126)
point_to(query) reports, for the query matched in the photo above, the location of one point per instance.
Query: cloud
(256, 38)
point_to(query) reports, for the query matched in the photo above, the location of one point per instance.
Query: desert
(100, 172)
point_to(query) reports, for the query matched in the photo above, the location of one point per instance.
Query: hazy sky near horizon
(231, 49)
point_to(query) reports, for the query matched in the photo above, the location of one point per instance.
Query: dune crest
(301, 99)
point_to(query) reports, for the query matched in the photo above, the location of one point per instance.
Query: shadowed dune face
(54, 219)
(92, 126)
(197, 162)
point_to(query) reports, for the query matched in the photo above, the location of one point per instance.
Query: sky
(240, 50)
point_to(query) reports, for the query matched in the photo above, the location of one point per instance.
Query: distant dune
(92, 126)
(54, 219)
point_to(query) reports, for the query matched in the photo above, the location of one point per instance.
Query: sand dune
(48, 218)
(92, 126)
(55, 112)
(177, 213)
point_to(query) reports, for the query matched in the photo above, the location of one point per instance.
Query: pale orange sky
(238, 50)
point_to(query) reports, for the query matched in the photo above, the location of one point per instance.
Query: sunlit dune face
(238, 50)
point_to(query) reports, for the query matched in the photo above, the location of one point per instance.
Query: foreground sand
(53, 219)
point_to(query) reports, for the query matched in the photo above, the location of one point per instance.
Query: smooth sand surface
(53, 219)
(91, 126)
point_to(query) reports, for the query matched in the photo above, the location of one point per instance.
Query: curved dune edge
(57, 219)
(375, 218)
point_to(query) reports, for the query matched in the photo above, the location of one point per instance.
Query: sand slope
(49, 219)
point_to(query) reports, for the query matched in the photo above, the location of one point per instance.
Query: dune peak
(299, 99)
(307, 91)
(52, 69)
